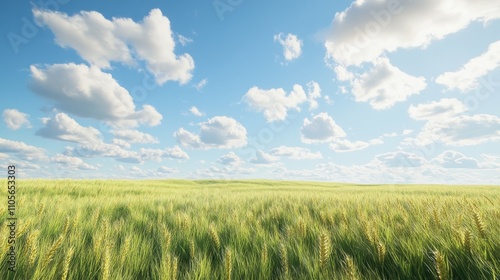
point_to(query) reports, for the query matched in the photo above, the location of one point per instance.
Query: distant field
(70, 229)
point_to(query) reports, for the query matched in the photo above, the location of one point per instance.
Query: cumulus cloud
(263, 158)
(297, 153)
(167, 170)
(461, 130)
(369, 28)
(292, 46)
(201, 84)
(68, 162)
(345, 145)
(133, 136)
(62, 127)
(219, 132)
(15, 119)
(400, 159)
(160, 154)
(322, 128)
(385, 85)
(188, 139)
(444, 108)
(454, 159)
(21, 150)
(101, 41)
(230, 159)
(120, 154)
(275, 103)
(467, 77)
(193, 110)
(313, 93)
(102, 149)
(90, 93)
(223, 173)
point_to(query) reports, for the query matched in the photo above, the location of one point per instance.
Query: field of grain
(93, 229)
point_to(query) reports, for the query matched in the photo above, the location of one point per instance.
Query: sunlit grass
(98, 229)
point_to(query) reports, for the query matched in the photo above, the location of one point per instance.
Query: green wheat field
(208, 229)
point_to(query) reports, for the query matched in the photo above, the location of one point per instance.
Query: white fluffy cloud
(90, 93)
(68, 162)
(322, 128)
(159, 154)
(62, 127)
(275, 103)
(120, 154)
(345, 145)
(292, 46)
(193, 110)
(263, 158)
(219, 132)
(230, 159)
(101, 41)
(454, 159)
(369, 28)
(167, 170)
(15, 119)
(385, 85)
(467, 78)
(461, 130)
(297, 153)
(103, 150)
(133, 136)
(444, 108)
(400, 159)
(313, 93)
(21, 150)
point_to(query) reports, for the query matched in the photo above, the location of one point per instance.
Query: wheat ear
(67, 262)
(324, 249)
(227, 264)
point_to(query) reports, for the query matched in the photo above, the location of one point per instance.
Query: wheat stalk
(40, 209)
(32, 246)
(67, 262)
(284, 260)
(480, 225)
(168, 266)
(466, 239)
(324, 249)
(302, 228)
(175, 263)
(381, 251)
(50, 255)
(215, 237)
(435, 214)
(441, 265)
(106, 262)
(76, 219)
(227, 264)
(192, 249)
(126, 248)
(350, 267)
(168, 237)
(344, 219)
(264, 257)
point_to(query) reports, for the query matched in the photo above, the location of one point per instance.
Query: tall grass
(98, 229)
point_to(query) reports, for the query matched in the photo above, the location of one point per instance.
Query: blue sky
(395, 91)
